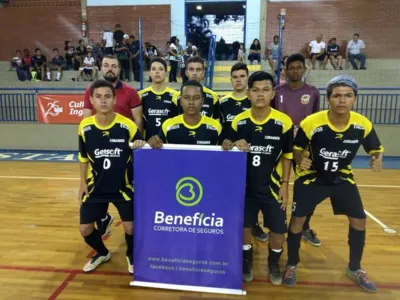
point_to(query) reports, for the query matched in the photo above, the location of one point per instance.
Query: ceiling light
(198, 7)
(244, 5)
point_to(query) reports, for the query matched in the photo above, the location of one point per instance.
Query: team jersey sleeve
(134, 133)
(82, 155)
(371, 142)
(287, 141)
(232, 133)
(163, 131)
(216, 110)
(175, 98)
(301, 141)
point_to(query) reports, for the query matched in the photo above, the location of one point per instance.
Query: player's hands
(138, 144)
(242, 145)
(284, 195)
(306, 162)
(155, 142)
(227, 145)
(83, 190)
(376, 163)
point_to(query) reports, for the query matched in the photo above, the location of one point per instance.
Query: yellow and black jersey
(210, 106)
(332, 150)
(106, 149)
(230, 107)
(157, 107)
(176, 131)
(269, 140)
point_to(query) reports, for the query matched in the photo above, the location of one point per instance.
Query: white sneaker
(130, 265)
(96, 261)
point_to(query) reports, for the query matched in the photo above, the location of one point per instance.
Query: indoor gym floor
(42, 252)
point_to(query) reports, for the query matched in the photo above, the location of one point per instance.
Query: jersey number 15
(331, 166)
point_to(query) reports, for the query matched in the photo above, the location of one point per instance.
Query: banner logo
(54, 110)
(193, 187)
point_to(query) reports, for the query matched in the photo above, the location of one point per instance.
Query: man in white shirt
(355, 49)
(317, 52)
(108, 36)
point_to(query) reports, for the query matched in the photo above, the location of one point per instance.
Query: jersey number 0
(106, 164)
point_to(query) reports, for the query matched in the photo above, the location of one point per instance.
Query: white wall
(177, 12)
(253, 19)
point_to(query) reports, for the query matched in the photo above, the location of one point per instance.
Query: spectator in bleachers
(57, 64)
(93, 48)
(14, 60)
(150, 52)
(80, 53)
(355, 49)
(118, 35)
(69, 55)
(173, 59)
(19, 65)
(27, 63)
(273, 53)
(123, 54)
(38, 67)
(88, 70)
(166, 49)
(334, 55)
(255, 52)
(193, 49)
(101, 52)
(241, 55)
(135, 63)
(108, 37)
(317, 51)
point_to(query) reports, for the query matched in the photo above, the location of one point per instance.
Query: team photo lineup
(280, 127)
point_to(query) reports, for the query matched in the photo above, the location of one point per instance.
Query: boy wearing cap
(324, 147)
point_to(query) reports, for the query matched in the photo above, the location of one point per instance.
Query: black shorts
(274, 216)
(345, 198)
(322, 57)
(92, 212)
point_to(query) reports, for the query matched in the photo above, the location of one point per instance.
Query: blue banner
(189, 219)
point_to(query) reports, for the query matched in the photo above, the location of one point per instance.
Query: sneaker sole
(107, 260)
(275, 282)
(364, 288)
(108, 227)
(249, 279)
(289, 285)
(308, 241)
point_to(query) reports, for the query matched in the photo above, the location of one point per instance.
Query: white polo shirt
(317, 47)
(355, 47)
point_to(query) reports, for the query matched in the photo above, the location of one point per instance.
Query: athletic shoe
(259, 234)
(289, 278)
(248, 265)
(103, 226)
(129, 260)
(361, 278)
(275, 275)
(96, 261)
(311, 236)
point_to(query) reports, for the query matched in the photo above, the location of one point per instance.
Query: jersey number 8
(106, 164)
(256, 160)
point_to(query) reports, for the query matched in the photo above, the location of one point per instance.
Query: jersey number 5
(106, 164)
(158, 122)
(256, 160)
(333, 166)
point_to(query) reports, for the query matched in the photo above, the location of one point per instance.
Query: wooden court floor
(42, 253)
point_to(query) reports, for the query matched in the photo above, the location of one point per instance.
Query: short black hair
(37, 49)
(55, 49)
(295, 57)
(159, 60)
(110, 56)
(240, 66)
(195, 59)
(275, 36)
(260, 76)
(193, 83)
(356, 34)
(101, 83)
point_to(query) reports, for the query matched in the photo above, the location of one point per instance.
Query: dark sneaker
(311, 236)
(259, 234)
(103, 226)
(274, 275)
(360, 277)
(248, 265)
(129, 260)
(289, 278)
(96, 261)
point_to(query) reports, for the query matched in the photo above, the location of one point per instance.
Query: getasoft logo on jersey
(158, 112)
(107, 152)
(188, 193)
(261, 149)
(332, 155)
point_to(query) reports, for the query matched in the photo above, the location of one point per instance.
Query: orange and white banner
(60, 109)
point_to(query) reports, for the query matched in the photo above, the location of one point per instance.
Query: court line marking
(62, 286)
(379, 222)
(383, 285)
(76, 179)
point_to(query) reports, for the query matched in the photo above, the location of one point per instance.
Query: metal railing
(380, 105)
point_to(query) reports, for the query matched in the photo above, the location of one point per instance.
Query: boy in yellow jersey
(267, 135)
(106, 171)
(195, 70)
(230, 106)
(324, 149)
(157, 99)
(191, 128)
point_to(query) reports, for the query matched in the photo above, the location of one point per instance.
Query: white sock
(58, 75)
(246, 247)
(48, 75)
